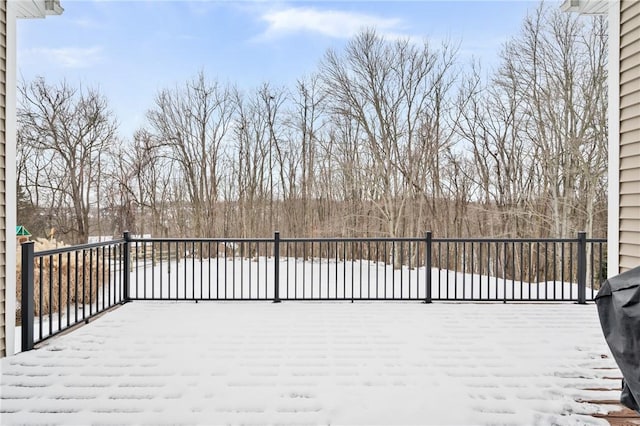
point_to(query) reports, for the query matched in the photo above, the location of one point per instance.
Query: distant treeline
(386, 138)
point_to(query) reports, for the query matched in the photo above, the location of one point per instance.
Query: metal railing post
(26, 304)
(126, 267)
(276, 267)
(582, 268)
(427, 265)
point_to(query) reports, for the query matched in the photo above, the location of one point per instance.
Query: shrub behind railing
(65, 285)
(59, 279)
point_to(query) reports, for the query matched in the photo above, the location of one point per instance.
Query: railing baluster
(472, 271)
(428, 267)
(344, 271)
(571, 245)
(137, 268)
(353, 256)
(448, 269)
(159, 271)
(320, 269)
(439, 271)
(217, 270)
(69, 289)
(401, 269)
(505, 256)
(276, 267)
(266, 270)
(582, 267)
(59, 302)
(546, 271)
(75, 297)
(182, 252)
(102, 278)
(233, 270)
(328, 270)
(27, 302)
(369, 265)
(91, 268)
(513, 271)
(488, 271)
(250, 263)
(226, 264)
(40, 297)
(497, 271)
(49, 294)
(455, 270)
(393, 269)
(344, 265)
(555, 281)
(464, 270)
(377, 270)
(193, 270)
(144, 270)
(127, 267)
(480, 265)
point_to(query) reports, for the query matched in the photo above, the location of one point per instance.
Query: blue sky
(132, 49)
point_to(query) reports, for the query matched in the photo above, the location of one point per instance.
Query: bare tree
(559, 64)
(396, 92)
(139, 185)
(537, 129)
(306, 121)
(194, 121)
(492, 121)
(271, 103)
(71, 130)
(251, 173)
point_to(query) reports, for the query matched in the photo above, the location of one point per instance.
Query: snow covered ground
(241, 278)
(317, 363)
(252, 278)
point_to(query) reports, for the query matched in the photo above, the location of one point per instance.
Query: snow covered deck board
(317, 363)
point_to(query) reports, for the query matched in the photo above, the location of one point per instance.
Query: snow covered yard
(317, 363)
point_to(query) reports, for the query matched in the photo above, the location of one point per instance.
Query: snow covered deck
(317, 363)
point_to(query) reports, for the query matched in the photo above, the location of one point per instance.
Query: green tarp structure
(21, 231)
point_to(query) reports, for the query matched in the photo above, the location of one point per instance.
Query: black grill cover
(619, 309)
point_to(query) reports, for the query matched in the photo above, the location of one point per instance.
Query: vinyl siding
(631, 149)
(3, 216)
(629, 219)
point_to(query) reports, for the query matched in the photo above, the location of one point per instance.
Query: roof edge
(27, 9)
(586, 7)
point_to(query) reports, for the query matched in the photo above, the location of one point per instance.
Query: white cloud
(331, 23)
(66, 57)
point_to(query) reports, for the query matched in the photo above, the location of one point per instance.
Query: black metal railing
(427, 268)
(67, 286)
(283, 269)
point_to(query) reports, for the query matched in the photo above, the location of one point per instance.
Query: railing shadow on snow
(70, 285)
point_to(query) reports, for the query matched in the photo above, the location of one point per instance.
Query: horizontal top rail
(200, 240)
(365, 239)
(69, 249)
(350, 240)
(516, 240)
